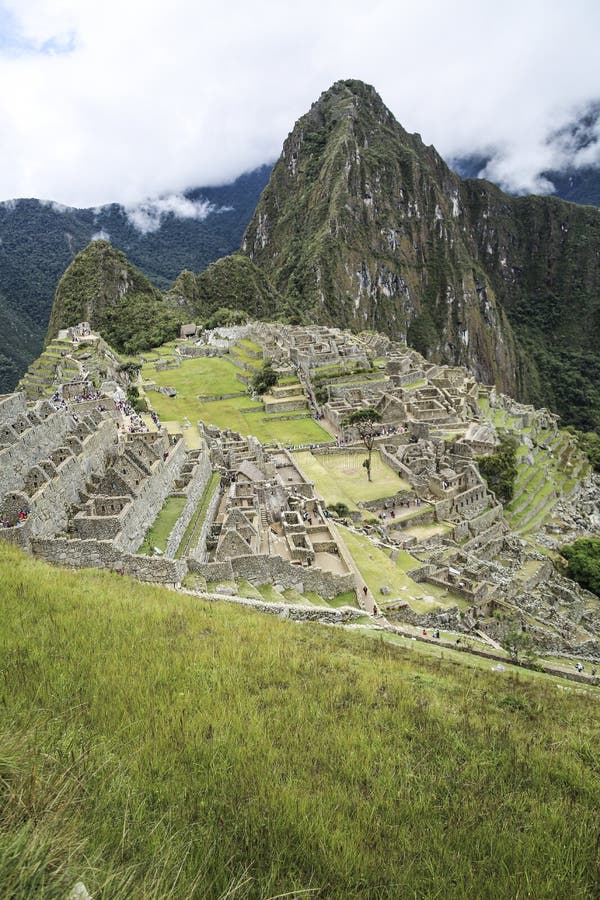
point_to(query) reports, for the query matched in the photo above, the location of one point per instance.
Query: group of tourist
(22, 516)
(59, 403)
(581, 668)
(133, 424)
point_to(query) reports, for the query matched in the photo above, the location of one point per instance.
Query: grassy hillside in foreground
(154, 745)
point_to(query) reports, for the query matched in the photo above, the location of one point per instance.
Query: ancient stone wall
(215, 571)
(53, 501)
(263, 569)
(293, 611)
(12, 406)
(104, 555)
(199, 551)
(149, 502)
(195, 489)
(34, 444)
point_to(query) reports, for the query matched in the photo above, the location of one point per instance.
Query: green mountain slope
(364, 226)
(156, 745)
(101, 287)
(233, 282)
(38, 240)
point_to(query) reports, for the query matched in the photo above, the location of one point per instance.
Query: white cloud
(124, 100)
(101, 235)
(148, 215)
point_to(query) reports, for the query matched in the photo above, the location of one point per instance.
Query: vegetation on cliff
(158, 745)
(234, 283)
(38, 240)
(500, 468)
(362, 225)
(583, 563)
(103, 288)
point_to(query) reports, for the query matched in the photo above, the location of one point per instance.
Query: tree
(583, 557)
(518, 642)
(364, 420)
(264, 380)
(500, 468)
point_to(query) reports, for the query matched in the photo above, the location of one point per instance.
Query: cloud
(148, 215)
(101, 235)
(118, 102)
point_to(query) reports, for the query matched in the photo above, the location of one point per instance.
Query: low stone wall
(205, 398)
(216, 571)
(104, 555)
(262, 569)
(387, 502)
(274, 406)
(20, 534)
(195, 489)
(425, 516)
(497, 657)
(294, 611)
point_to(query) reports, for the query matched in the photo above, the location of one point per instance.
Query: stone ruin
(83, 479)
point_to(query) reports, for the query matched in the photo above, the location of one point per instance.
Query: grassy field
(341, 478)
(152, 745)
(378, 570)
(215, 377)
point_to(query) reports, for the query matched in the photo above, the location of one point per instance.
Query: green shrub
(264, 380)
(583, 563)
(500, 468)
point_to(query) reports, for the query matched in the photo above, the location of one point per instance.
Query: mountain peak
(363, 226)
(350, 99)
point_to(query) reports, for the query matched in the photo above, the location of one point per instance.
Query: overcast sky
(122, 100)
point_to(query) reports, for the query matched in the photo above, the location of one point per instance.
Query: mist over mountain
(575, 151)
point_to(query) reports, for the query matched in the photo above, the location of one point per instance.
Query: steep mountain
(20, 340)
(233, 282)
(101, 287)
(363, 226)
(39, 239)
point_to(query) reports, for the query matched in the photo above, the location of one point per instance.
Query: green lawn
(215, 376)
(155, 745)
(377, 569)
(341, 478)
(158, 534)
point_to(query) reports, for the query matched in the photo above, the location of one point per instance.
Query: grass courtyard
(213, 377)
(341, 477)
(378, 570)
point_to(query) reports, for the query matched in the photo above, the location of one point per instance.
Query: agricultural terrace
(341, 477)
(213, 377)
